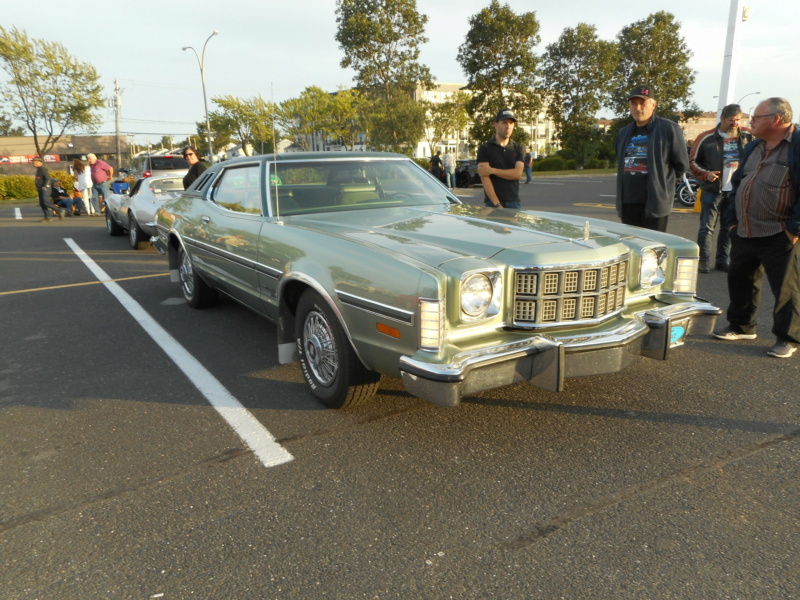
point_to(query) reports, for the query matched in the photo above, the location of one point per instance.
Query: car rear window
(168, 163)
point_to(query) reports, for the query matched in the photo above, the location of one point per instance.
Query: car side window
(239, 189)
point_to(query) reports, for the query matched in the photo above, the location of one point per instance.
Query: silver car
(152, 166)
(135, 211)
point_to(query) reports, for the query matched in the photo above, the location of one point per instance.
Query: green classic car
(369, 266)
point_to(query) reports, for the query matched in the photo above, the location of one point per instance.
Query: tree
(7, 128)
(497, 57)
(305, 116)
(346, 120)
(653, 52)
(381, 41)
(47, 89)
(445, 118)
(242, 120)
(576, 71)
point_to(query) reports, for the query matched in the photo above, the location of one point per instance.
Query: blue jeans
(528, 174)
(451, 177)
(97, 190)
(713, 207)
(513, 204)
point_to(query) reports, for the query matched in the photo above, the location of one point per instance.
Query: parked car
(370, 267)
(150, 166)
(135, 212)
(467, 173)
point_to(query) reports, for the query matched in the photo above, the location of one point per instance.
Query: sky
(276, 48)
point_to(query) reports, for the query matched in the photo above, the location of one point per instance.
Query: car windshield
(335, 185)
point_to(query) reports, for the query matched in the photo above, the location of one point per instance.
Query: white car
(132, 212)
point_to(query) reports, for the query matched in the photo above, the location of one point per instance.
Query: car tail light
(147, 174)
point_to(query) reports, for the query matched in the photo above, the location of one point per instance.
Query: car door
(231, 221)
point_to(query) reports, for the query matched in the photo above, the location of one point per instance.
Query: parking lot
(154, 451)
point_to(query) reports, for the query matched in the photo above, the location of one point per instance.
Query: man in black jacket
(714, 158)
(42, 181)
(651, 155)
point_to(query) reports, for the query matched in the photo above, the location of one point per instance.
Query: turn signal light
(390, 331)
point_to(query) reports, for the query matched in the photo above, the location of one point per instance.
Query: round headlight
(476, 294)
(649, 270)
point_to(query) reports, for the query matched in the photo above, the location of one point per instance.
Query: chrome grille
(553, 296)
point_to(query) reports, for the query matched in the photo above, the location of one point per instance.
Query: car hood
(437, 234)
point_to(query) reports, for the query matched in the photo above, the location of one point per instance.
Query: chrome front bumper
(546, 360)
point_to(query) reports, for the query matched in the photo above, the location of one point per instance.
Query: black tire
(686, 195)
(112, 226)
(332, 370)
(463, 179)
(137, 237)
(198, 293)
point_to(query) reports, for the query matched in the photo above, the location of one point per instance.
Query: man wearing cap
(42, 181)
(651, 155)
(500, 163)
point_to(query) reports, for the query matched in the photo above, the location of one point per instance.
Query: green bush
(425, 163)
(20, 187)
(65, 178)
(552, 163)
(2, 188)
(570, 164)
(596, 163)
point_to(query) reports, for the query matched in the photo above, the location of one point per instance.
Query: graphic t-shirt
(634, 169)
(730, 161)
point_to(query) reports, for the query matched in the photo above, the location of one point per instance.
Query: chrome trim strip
(383, 310)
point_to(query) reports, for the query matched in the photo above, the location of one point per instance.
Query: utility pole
(117, 104)
(730, 63)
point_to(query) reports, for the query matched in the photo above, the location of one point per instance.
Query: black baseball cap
(641, 91)
(504, 114)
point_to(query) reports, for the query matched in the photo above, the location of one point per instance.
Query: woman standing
(196, 168)
(83, 181)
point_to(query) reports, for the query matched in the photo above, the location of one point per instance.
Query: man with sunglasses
(196, 168)
(764, 220)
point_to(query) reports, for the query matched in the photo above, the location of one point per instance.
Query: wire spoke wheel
(320, 348)
(330, 366)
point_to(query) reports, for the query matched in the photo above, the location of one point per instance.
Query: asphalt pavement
(121, 479)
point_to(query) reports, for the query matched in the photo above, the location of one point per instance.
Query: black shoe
(722, 267)
(703, 267)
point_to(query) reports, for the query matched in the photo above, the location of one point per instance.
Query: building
(543, 139)
(16, 153)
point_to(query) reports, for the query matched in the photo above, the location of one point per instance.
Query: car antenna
(274, 170)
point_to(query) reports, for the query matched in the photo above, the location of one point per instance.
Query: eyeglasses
(754, 117)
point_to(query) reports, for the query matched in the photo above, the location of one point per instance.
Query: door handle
(206, 219)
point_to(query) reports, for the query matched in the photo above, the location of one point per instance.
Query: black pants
(633, 214)
(45, 203)
(751, 258)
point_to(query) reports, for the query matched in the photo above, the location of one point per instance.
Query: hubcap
(187, 280)
(320, 348)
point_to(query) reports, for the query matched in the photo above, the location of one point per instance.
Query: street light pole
(202, 61)
(745, 96)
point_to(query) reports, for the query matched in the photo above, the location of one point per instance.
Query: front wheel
(463, 179)
(136, 235)
(686, 195)
(112, 226)
(332, 370)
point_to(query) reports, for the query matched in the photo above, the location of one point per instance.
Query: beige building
(16, 153)
(541, 131)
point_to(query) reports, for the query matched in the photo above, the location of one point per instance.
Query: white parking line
(17, 213)
(246, 426)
